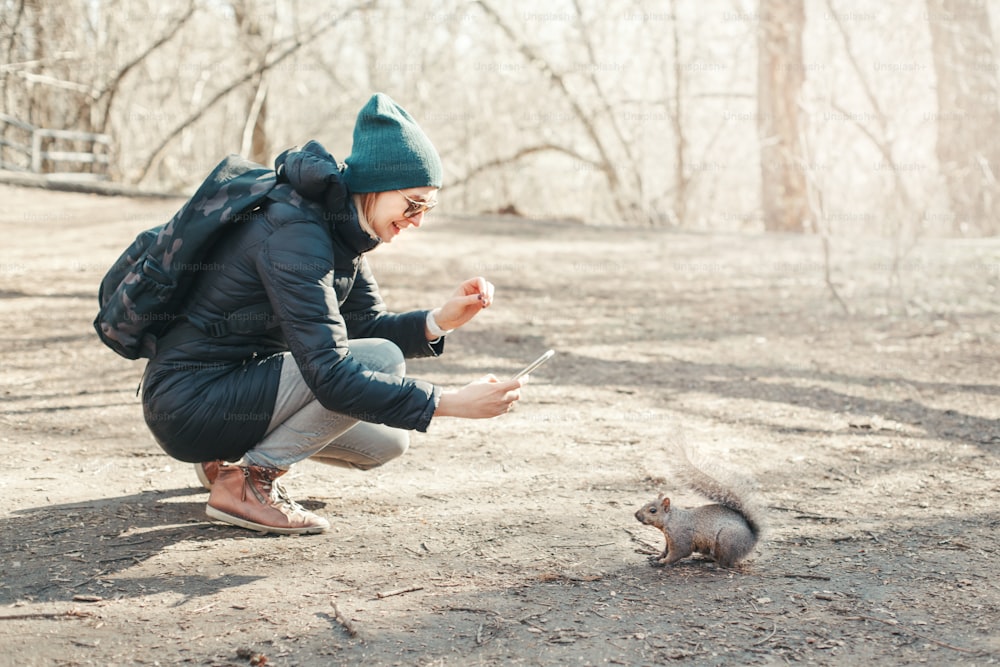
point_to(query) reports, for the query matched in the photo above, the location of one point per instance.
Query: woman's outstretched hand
(482, 399)
(472, 296)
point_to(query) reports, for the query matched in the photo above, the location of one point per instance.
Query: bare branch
(257, 71)
(522, 153)
(885, 148)
(881, 144)
(606, 163)
(55, 82)
(111, 88)
(260, 94)
(817, 205)
(613, 121)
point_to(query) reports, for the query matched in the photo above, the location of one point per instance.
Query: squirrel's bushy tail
(725, 487)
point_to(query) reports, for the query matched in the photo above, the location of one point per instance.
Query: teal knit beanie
(390, 151)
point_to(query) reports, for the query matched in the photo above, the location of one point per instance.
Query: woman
(310, 363)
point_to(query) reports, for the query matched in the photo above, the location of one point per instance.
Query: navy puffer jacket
(292, 277)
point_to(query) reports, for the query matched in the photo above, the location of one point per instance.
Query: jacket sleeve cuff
(428, 413)
(428, 348)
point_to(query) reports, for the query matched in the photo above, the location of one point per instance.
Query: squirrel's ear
(665, 503)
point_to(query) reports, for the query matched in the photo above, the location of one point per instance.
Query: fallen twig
(132, 556)
(72, 613)
(87, 581)
(474, 610)
(647, 548)
(782, 508)
(792, 575)
(400, 591)
(344, 623)
(774, 631)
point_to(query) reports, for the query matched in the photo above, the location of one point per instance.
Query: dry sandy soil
(873, 435)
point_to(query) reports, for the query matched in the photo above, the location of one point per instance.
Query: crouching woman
(285, 349)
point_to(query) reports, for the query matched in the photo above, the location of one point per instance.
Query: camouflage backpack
(143, 290)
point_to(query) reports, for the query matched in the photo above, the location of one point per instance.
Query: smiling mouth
(394, 231)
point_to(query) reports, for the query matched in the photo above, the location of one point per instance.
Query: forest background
(830, 117)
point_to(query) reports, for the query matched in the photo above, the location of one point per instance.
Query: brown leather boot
(207, 472)
(251, 497)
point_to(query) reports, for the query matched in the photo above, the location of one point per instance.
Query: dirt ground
(873, 435)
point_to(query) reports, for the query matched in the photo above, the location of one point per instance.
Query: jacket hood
(313, 173)
(316, 175)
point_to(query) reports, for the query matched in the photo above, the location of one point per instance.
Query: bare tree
(626, 203)
(781, 73)
(681, 178)
(255, 144)
(111, 88)
(884, 138)
(967, 149)
(285, 49)
(11, 24)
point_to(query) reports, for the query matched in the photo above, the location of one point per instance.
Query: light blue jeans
(301, 428)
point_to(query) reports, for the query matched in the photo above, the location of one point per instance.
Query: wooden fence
(49, 152)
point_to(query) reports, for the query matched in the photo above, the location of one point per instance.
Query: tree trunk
(681, 179)
(255, 144)
(780, 76)
(967, 148)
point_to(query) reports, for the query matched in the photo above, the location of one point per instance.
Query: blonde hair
(365, 202)
(368, 201)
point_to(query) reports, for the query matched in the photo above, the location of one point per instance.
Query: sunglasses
(415, 207)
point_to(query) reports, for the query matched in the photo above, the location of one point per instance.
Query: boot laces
(266, 480)
(281, 497)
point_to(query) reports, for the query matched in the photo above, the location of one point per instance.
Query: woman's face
(388, 218)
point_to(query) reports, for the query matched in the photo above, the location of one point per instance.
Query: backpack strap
(251, 320)
(255, 319)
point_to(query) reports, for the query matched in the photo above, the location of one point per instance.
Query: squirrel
(727, 530)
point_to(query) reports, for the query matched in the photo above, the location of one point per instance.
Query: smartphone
(534, 364)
